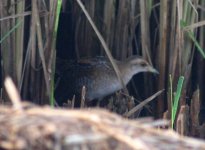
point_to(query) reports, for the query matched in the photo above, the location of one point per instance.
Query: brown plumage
(97, 75)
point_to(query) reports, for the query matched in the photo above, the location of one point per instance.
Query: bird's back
(96, 74)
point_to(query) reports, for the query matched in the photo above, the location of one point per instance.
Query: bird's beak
(152, 70)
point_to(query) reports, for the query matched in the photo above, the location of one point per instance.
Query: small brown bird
(97, 75)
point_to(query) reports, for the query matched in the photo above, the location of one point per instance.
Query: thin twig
(142, 104)
(13, 93)
(40, 46)
(73, 102)
(82, 102)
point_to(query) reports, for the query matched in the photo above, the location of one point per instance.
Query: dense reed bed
(169, 34)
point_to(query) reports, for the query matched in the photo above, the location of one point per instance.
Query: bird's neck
(126, 72)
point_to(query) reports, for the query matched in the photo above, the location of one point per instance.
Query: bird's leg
(98, 102)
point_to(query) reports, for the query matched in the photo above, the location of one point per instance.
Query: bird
(97, 75)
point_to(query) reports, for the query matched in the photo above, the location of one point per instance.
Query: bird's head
(138, 64)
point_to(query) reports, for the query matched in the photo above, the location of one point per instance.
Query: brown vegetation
(169, 34)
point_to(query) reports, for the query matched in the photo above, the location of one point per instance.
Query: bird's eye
(143, 64)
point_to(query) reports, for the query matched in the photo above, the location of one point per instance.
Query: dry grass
(37, 128)
(27, 52)
(169, 34)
